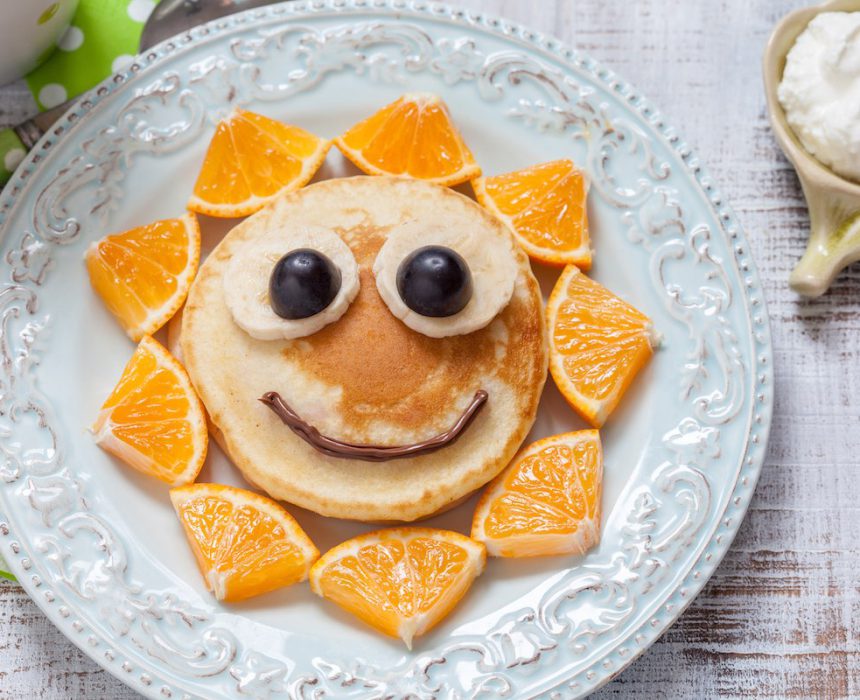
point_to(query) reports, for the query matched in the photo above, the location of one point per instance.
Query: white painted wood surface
(781, 617)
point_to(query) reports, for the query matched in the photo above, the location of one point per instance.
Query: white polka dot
(52, 95)
(139, 10)
(13, 158)
(72, 39)
(121, 61)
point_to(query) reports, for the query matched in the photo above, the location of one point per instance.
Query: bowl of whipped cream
(812, 83)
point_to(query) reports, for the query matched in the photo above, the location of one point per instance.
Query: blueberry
(434, 281)
(302, 284)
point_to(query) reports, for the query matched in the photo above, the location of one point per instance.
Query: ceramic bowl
(834, 202)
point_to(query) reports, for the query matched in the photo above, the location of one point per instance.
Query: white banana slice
(246, 283)
(491, 261)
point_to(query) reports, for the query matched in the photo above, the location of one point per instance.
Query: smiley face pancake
(370, 409)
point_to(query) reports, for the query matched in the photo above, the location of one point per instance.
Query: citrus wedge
(413, 136)
(153, 420)
(143, 275)
(401, 581)
(597, 344)
(545, 207)
(547, 501)
(251, 160)
(245, 544)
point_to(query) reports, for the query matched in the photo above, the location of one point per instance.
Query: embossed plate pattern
(98, 547)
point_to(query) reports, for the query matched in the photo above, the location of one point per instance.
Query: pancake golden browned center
(376, 391)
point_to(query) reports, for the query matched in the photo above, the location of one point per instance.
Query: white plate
(98, 546)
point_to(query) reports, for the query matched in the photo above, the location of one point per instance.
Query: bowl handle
(834, 241)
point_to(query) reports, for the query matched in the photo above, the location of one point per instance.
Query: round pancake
(367, 378)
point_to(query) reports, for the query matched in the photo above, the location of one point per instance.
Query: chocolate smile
(370, 453)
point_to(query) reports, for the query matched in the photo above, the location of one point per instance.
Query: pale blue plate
(98, 547)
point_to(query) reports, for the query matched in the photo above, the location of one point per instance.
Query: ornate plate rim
(719, 537)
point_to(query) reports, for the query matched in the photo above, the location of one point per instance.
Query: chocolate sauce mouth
(370, 453)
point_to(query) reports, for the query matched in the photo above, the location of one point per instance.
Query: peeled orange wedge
(401, 581)
(547, 501)
(597, 344)
(245, 544)
(544, 205)
(413, 136)
(143, 275)
(153, 420)
(251, 160)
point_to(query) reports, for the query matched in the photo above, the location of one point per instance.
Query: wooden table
(781, 617)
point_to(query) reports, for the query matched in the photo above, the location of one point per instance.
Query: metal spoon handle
(17, 140)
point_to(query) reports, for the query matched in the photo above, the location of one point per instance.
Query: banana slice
(491, 261)
(246, 283)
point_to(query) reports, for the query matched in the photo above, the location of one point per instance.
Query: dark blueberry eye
(434, 281)
(302, 284)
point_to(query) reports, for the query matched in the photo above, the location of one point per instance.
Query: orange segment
(144, 274)
(413, 136)
(545, 207)
(153, 420)
(400, 581)
(251, 160)
(547, 501)
(245, 544)
(598, 343)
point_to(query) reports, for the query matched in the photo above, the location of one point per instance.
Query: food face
(368, 348)
(430, 287)
(389, 382)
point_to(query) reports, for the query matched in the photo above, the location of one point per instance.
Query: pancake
(367, 378)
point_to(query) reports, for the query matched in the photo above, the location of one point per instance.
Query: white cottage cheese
(820, 91)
